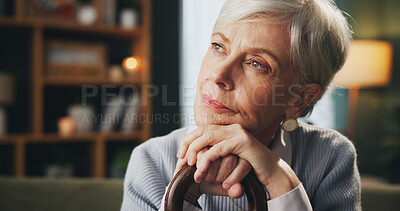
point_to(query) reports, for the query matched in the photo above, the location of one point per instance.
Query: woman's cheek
(260, 96)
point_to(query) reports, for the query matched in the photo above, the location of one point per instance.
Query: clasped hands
(224, 155)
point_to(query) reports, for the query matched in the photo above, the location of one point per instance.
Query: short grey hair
(319, 34)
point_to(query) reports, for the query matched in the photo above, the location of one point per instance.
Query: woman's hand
(213, 142)
(223, 177)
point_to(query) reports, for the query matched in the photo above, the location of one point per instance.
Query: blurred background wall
(378, 123)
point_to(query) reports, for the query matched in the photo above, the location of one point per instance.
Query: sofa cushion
(60, 194)
(376, 195)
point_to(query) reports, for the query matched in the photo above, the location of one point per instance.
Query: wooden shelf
(70, 26)
(13, 22)
(98, 146)
(129, 136)
(54, 137)
(78, 81)
(10, 139)
(39, 31)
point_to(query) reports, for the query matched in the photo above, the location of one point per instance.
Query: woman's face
(245, 77)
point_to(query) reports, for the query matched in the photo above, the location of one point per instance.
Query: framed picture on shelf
(73, 59)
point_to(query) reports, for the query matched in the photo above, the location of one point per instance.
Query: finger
(201, 152)
(236, 191)
(179, 165)
(213, 189)
(221, 149)
(210, 137)
(199, 155)
(211, 172)
(196, 145)
(228, 163)
(238, 174)
(187, 140)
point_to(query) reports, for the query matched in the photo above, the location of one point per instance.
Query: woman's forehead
(260, 31)
(262, 34)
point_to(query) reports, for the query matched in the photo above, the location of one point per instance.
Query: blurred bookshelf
(60, 81)
(34, 121)
(112, 31)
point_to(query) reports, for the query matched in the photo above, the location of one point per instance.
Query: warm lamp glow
(66, 126)
(368, 64)
(130, 63)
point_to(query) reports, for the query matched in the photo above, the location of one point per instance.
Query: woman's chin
(209, 118)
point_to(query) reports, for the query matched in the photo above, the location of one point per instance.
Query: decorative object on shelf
(66, 126)
(121, 113)
(83, 116)
(109, 12)
(131, 118)
(115, 73)
(129, 18)
(6, 97)
(72, 59)
(87, 14)
(368, 64)
(59, 171)
(52, 10)
(131, 64)
(111, 115)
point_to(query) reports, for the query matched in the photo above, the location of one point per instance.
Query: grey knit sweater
(323, 160)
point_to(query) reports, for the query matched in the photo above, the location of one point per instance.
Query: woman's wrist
(282, 181)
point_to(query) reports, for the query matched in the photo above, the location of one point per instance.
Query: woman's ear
(307, 95)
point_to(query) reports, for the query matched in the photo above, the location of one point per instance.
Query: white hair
(319, 33)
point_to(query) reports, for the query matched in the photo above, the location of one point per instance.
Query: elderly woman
(268, 63)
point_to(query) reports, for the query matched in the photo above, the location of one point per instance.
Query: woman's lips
(214, 104)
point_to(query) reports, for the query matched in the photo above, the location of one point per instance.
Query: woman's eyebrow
(265, 51)
(223, 37)
(251, 50)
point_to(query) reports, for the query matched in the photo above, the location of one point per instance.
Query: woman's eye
(217, 47)
(258, 65)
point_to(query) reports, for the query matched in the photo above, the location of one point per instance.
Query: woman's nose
(222, 76)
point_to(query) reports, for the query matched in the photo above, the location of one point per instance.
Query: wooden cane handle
(184, 179)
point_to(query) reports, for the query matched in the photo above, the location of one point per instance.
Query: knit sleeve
(143, 184)
(340, 187)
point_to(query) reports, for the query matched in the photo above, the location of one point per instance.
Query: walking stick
(184, 179)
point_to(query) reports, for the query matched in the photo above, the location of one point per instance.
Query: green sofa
(106, 194)
(38, 194)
